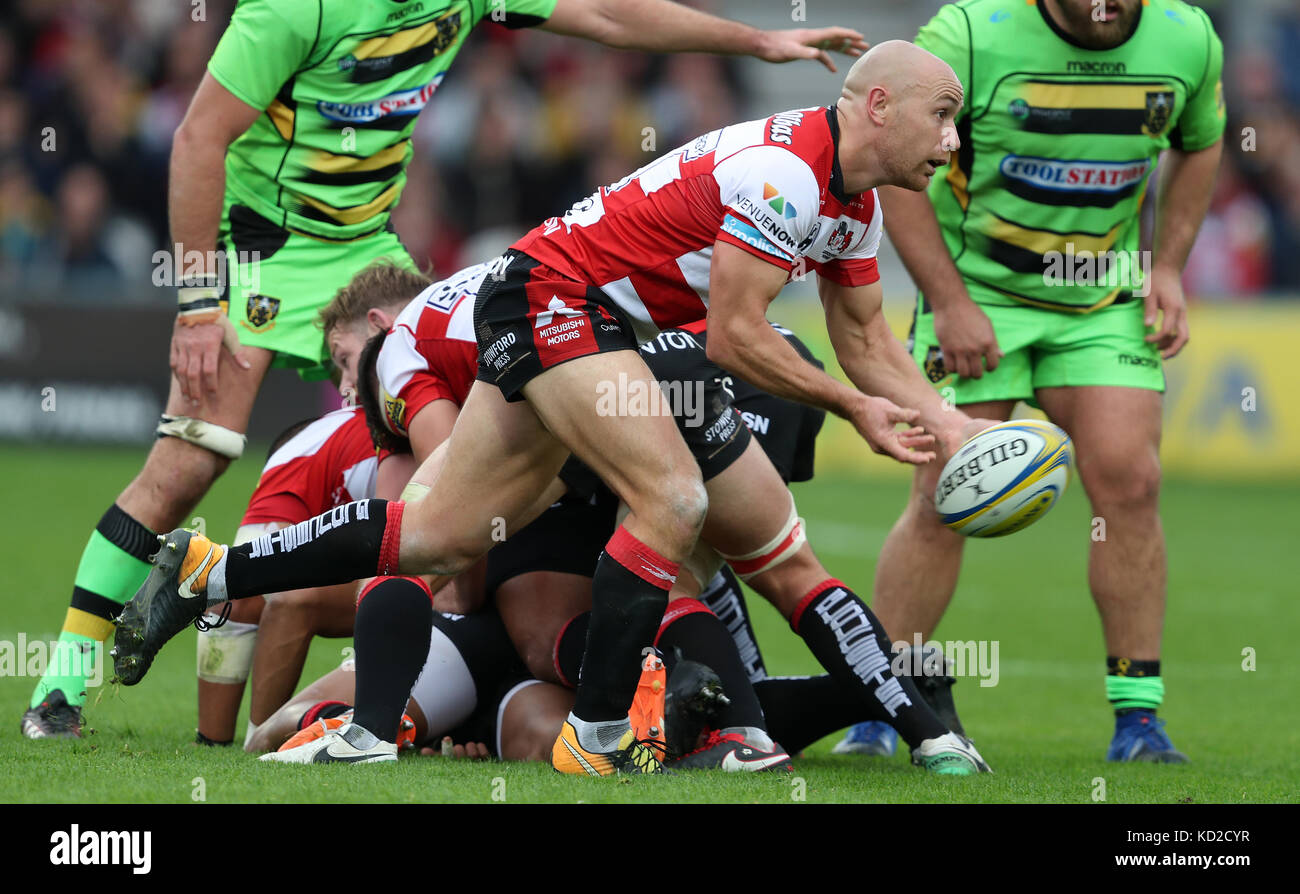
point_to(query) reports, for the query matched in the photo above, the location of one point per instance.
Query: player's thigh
(1016, 330)
(1116, 433)
(535, 607)
(499, 459)
(237, 390)
(639, 454)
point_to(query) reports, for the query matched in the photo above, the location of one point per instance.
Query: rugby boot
(629, 756)
(871, 737)
(735, 750)
(647, 712)
(949, 755)
(170, 599)
(1140, 736)
(53, 718)
(693, 703)
(348, 744)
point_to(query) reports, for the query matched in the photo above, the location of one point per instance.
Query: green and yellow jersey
(341, 83)
(1058, 141)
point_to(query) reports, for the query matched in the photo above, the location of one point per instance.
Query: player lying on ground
(288, 162)
(635, 258)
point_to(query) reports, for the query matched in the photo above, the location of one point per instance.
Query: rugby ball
(1005, 478)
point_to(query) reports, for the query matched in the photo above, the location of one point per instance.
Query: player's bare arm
(1182, 198)
(741, 287)
(660, 26)
(197, 182)
(964, 331)
(430, 427)
(877, 362)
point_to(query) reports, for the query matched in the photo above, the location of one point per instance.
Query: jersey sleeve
(947, 35)
(266, 42)
(770, 202)
(280, 495)
(857, 266)
(409, 382)
(518, 13)
(1204, 119)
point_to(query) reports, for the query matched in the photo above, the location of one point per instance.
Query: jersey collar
(1065, 35)
(836, 184)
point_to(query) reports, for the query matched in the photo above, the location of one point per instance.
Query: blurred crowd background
(525, 124)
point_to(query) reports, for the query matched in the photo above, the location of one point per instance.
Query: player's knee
(687, 502)
(1124, 482)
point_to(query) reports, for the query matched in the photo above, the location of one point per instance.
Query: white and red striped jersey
(771, 187)
(330, 462)
(430, 353)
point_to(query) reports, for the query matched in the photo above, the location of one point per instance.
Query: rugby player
(541, 576)
(283, 174)
(716, 227)
(333, 461)
(1069, 105)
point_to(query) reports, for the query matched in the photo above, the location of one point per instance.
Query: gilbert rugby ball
(1005, 478)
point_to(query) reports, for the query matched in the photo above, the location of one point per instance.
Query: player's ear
(878, 102)
(380, 318)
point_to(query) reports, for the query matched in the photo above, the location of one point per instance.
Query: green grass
(1044, 726)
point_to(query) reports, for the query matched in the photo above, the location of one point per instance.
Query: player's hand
(195, 353)
(875, 419)
(1166, 296)
(811, 43)
(968, 430)
(475, 751)
(966, 338)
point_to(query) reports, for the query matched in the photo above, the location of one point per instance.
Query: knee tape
(414, 491)
(210, 436)
(703, 563)
(225, 653)
(777, 550)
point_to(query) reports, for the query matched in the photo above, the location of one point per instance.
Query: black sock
(394, 625)
(725, 599)
(704, 638)
(801, 710)
(347, 543)
(626, 609)
(850, 643)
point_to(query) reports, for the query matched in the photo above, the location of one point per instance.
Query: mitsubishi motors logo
(556, 306)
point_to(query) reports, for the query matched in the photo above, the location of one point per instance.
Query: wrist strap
(198, 300)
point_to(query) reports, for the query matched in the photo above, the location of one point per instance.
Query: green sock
(1134, 684)
(113, 566)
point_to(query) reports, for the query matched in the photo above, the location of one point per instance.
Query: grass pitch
(1044, 727)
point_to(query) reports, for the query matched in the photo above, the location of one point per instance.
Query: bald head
(897, 113)
(895, 65)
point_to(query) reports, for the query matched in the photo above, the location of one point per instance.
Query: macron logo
(546, 317)
(89, 848)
